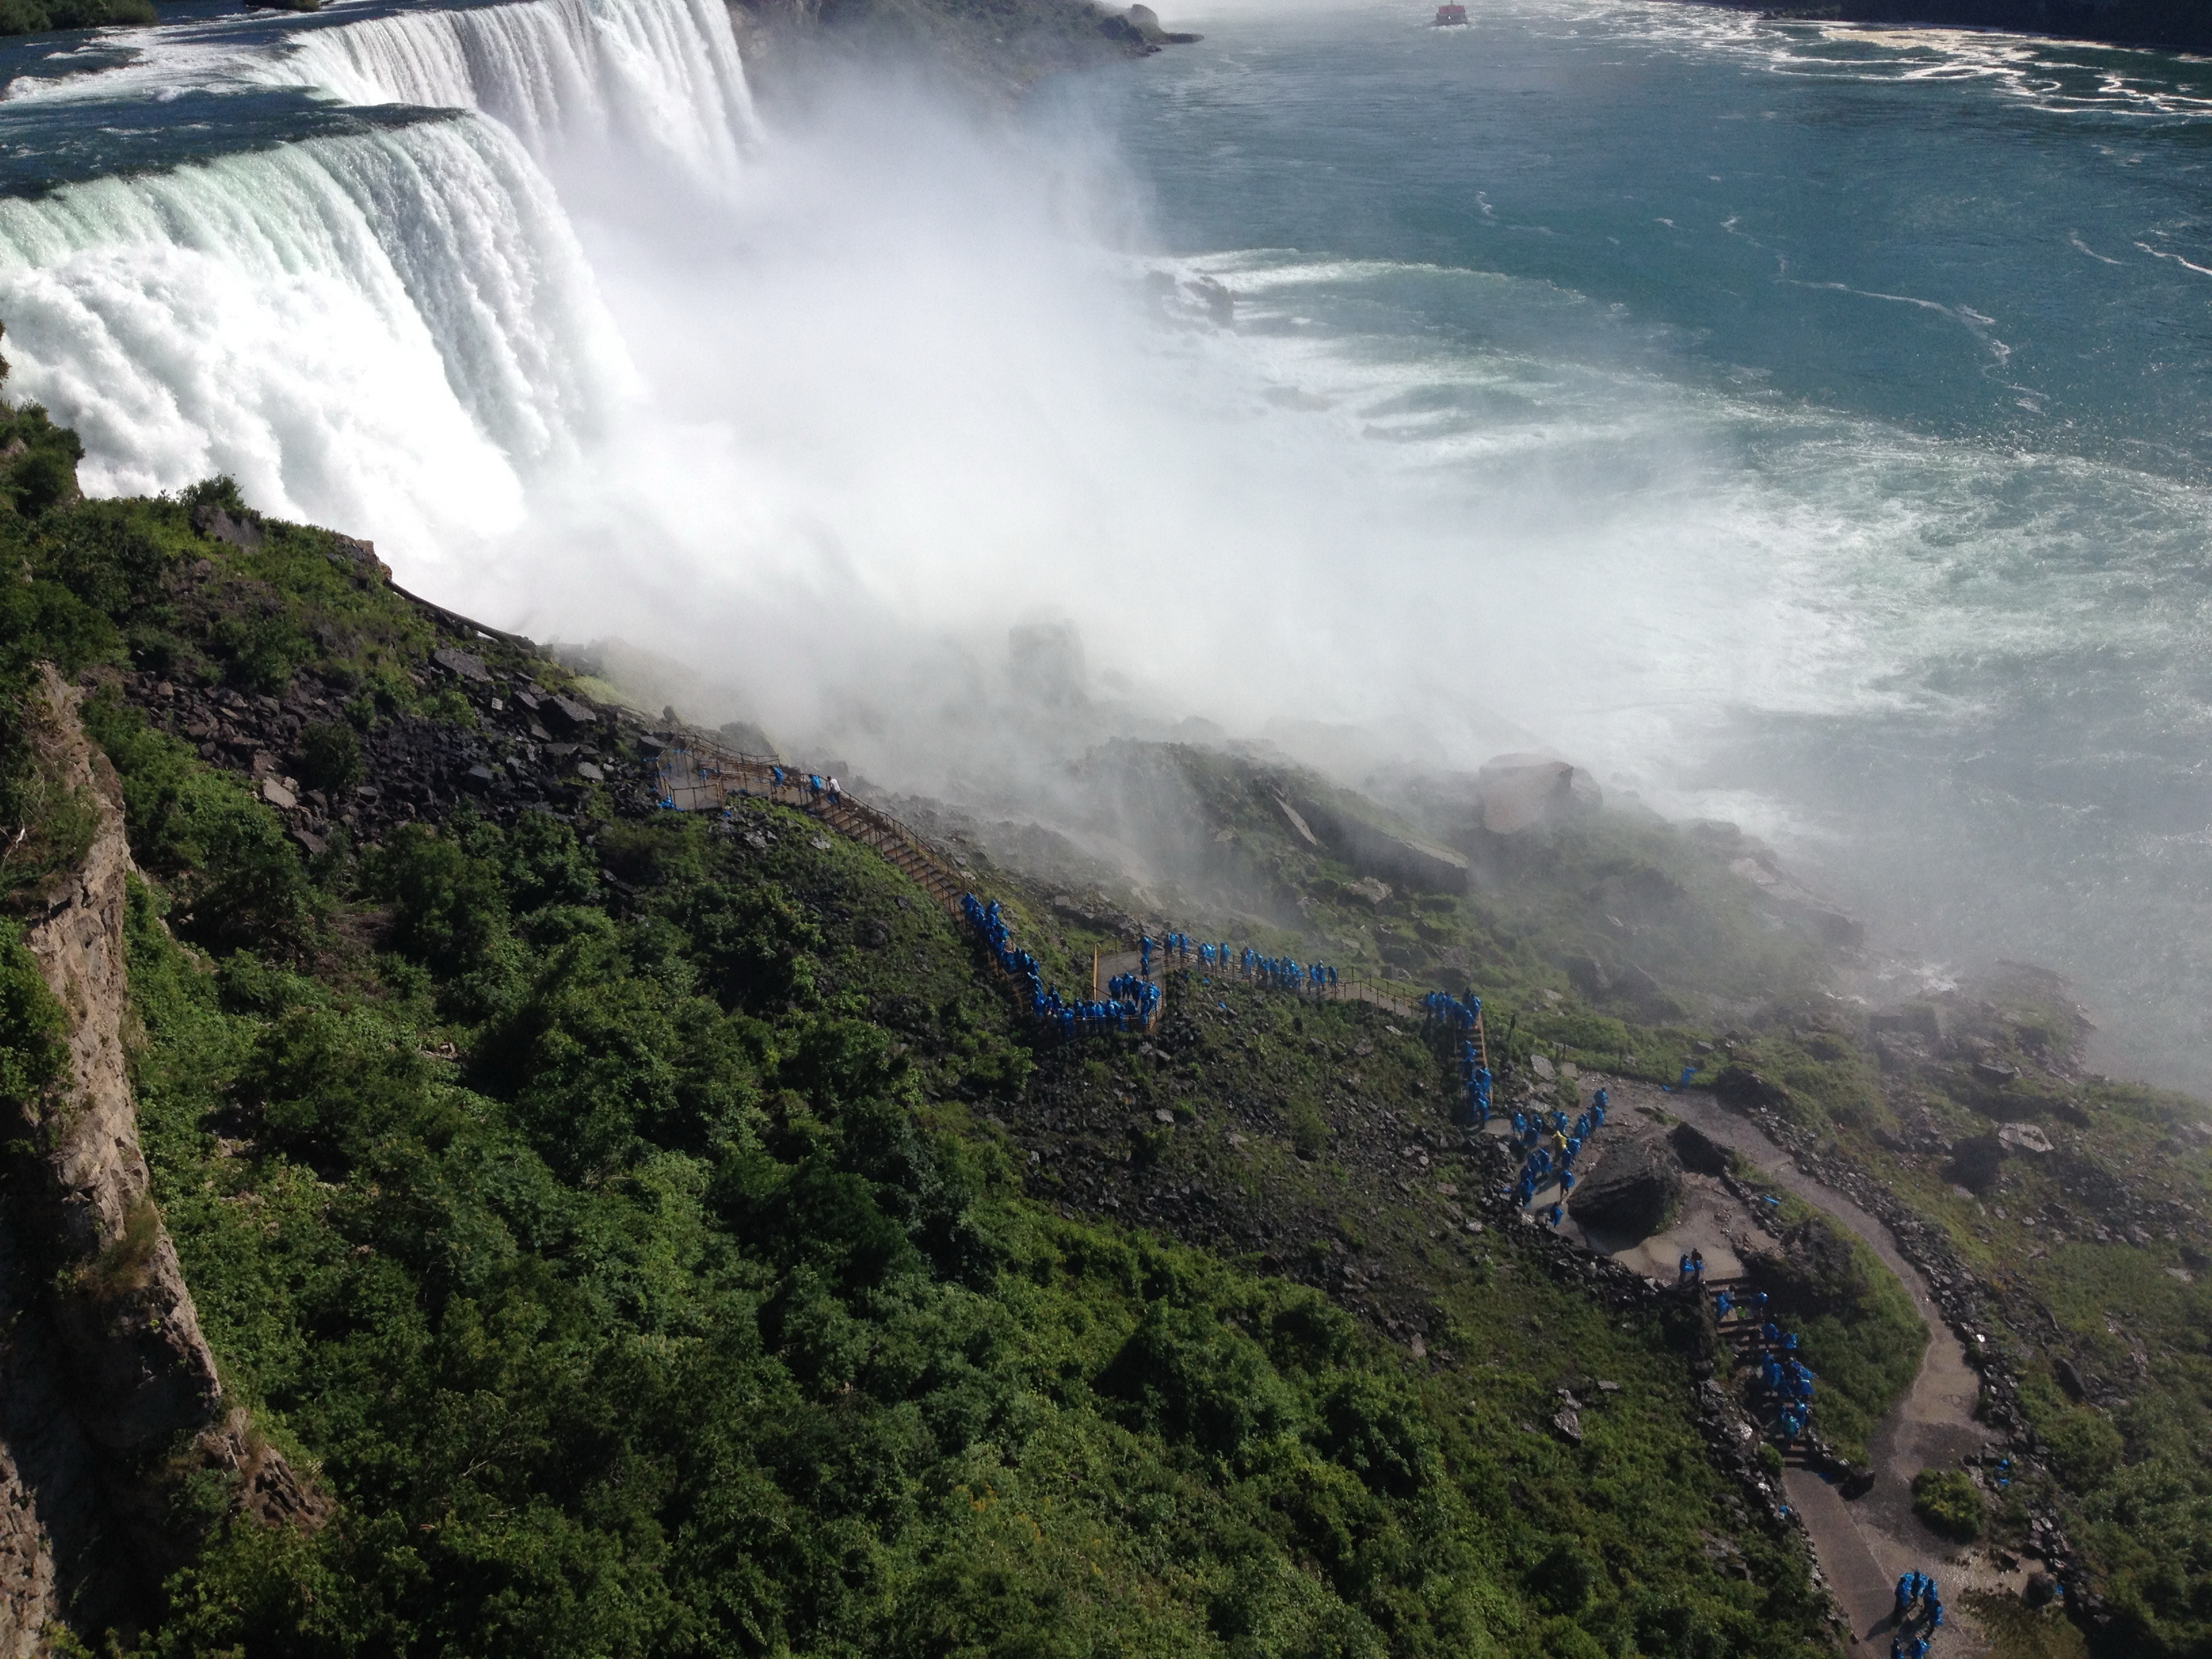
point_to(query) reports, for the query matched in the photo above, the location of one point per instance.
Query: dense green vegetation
(1949, 1502)
(618, 1217)
(606, 1213)
(36, 16)
(674, 1316)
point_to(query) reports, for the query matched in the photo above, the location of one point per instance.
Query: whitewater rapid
(1660, 428)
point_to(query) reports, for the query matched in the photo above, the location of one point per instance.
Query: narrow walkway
(1865, 1545)
(697, 777)
(1351, 988)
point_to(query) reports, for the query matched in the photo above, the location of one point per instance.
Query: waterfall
(395, 330)
(390, 331)
(646, 77)
(658, 81)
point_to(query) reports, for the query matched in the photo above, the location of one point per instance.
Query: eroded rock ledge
(107, 1389)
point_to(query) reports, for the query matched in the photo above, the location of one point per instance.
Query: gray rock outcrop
(1633, 1190)
(1527, 791)
(1372, 850)
(1699, 1152)
(142, 1368)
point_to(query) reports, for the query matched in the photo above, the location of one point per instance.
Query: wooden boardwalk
(697, 777)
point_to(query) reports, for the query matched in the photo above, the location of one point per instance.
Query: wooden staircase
(699, 776)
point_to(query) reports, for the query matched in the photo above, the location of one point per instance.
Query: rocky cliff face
(107, 1384)
(991, 49)
(143, 1368)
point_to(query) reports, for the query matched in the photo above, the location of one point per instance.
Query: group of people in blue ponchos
(1549, 1144)
(1281, 973)
(1131, 1001)
(1919, 1615)
(817, 784)
(1462, 1014)
(1136, 998)
(1785, 1382)
(1284, 973)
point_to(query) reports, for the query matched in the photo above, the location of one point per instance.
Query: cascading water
(393, 328)
(659, 79)
(1721, 469)
(568, 76)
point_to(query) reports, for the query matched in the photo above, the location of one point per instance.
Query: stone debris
(414, 768)
(462, 663)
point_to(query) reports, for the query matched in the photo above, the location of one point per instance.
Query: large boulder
(1391, 856)
(1526, 792)
(1745, 1090)
(1587, 975)
(1699, 1152)
(1976, 1165)
(1633, 1188)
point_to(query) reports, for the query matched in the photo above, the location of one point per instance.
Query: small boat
(1448, 14)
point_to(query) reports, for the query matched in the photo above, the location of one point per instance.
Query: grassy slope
(2096, 1256)
(640, 1267)
(571, 1299)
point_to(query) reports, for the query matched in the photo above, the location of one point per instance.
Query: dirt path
(1864, 1546)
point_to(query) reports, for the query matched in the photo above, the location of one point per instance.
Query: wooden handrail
(711, 787)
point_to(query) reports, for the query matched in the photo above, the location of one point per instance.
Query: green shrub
(1592, 1034)
(330, 757)
(46, 826)
(1565, 1579)
(33, 1030)
(2084, 1446)
(448, 908)
(1949, 1502)
(1378, 1433)
(1189, 1378)
(126, 1260)
(235, 879)
(42, 475)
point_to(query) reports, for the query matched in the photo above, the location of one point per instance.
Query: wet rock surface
(1633, 1188)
